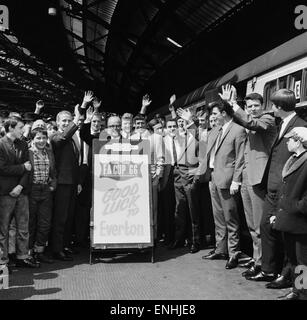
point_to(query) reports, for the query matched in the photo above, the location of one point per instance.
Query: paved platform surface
(176, 274)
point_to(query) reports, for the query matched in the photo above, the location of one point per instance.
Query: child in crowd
(291, 216)
(42, 184)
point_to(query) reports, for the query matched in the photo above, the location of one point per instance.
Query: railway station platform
(175, 275)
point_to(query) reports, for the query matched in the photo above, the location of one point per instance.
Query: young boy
(42, 184)
(291, 216)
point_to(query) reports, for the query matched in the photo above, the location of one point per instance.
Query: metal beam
(74, 35)
(87, 14)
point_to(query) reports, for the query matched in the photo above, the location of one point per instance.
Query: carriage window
(294, 81)
(303, 90)
(269, 88)
(282, 83)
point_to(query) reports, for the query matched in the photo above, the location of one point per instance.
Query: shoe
(232, 263)
(280, 283)
(289, 296)
(69, 251)
(176, 244)
(195, 247)
(262, 276)
(252, 271)
(41, 257)
(247, 265)
(215, 256)
(187, 243)
(27, 263)
(62, 256)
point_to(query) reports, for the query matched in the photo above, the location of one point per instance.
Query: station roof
(123, 49)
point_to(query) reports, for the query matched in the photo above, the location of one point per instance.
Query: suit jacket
(66, 156)
(229, 155)
(52, 171)
(279, 155)
(260, 138)
(188, 155)
(87, 137)
(12, 170)
(291, 215)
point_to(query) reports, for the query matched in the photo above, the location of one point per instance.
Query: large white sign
(121, 199)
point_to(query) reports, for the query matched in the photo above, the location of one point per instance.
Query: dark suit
(228, 166)
(84, 201)
(13, 155)
(261, 134)
(67, 166)
(12, 170)
(271, 240)
(291, 215)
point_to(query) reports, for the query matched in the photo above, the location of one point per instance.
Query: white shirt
(285, 123)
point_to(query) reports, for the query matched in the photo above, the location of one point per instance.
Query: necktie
(280, 128)
(76, 151)
(14, 149)
(218, 140)
(174, 152)
(82, 151)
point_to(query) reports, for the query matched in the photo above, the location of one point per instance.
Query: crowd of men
(200, 165)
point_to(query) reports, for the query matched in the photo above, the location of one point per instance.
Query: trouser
(226, 220)
(296, 250)
(206, 214)
(19, 209)
(271, 239)
(155, 182)
(12, 237)
(83, 208)
(40, 210)
(253, 200)
(187, 208)
(168, 205)
(63, 216)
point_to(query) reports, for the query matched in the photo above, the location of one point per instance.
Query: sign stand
(121, 215)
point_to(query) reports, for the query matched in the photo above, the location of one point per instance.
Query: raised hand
(40, 104)
(172, 99)
(96, 103)
(76, 110)
(185, 114)
(229, 93)
(146, 101)
(89, 113)
(88, 97)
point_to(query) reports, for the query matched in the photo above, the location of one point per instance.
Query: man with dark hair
(14, 175)
(167, 184)
(272, 247)
(261, 133)
(225, 154)
(183, 148)
(90, 130)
